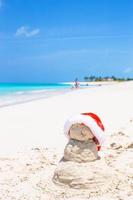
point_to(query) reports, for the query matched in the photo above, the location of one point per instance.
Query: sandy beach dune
(32, 143)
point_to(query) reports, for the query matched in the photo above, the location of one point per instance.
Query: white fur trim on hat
(89, 122)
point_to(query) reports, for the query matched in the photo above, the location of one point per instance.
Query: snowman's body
(81, 166)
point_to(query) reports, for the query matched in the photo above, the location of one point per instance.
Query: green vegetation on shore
(106, 78)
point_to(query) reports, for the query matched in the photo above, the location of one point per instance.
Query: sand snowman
(80, 166)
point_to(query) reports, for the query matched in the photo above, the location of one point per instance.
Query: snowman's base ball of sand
(95, 176)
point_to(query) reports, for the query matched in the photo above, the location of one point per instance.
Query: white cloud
(128, 70)
(24, 31)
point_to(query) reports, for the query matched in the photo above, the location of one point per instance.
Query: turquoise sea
(24, 87)
(14, 93)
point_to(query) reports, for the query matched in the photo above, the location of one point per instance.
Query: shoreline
(21, 97)
(26, 97)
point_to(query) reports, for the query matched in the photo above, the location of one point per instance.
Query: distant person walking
(76, 83)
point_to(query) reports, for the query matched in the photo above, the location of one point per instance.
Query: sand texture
(32, 144)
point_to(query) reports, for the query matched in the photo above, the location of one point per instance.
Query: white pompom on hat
(90, 120)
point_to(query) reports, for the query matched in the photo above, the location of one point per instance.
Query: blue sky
(58, 40)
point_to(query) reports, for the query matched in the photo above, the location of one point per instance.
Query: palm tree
(86, 78)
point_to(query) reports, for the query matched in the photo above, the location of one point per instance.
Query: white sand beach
(32, 142)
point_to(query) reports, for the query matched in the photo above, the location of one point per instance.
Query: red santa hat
(90, 120)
